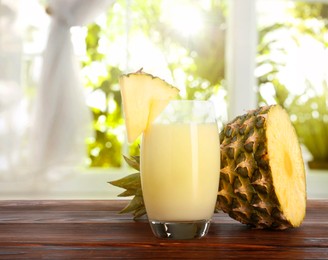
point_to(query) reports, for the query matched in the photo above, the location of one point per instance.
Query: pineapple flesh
(144, 97)
(262, 181)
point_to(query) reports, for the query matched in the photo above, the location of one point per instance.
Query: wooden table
(93, 229)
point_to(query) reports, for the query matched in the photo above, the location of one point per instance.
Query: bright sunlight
(184, 17)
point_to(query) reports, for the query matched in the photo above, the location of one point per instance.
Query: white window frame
(240, 57)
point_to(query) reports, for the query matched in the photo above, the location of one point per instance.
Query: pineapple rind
(246, 172)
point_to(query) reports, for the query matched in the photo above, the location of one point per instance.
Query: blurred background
(238, 53)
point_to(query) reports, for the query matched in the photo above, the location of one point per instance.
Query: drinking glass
(180, 169)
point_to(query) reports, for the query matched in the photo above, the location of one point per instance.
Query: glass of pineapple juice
(180, 169)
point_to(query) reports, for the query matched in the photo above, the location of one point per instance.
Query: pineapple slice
(144, 97)
(262, 181)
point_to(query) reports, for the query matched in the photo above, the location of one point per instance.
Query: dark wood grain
(93, 229)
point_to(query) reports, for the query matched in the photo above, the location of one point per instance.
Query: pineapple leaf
(130, 182)
(135, 204)
(140, 212)
(134, 162)
(127, 193)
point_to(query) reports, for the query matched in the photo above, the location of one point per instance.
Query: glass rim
(187, 111)
(191, 103)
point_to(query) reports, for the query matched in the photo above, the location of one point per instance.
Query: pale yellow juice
(180, 169)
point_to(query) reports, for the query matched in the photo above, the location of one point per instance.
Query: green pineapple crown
(132, 186)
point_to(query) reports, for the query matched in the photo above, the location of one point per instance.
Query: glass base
(180, 229)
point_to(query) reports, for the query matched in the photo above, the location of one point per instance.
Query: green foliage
(311, 121)
(308, 109)
(110, 45)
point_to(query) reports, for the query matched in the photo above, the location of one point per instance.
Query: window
(209, 49)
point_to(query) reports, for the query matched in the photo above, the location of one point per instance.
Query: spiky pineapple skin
(246, 189)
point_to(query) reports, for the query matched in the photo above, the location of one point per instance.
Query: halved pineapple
(262, 181)
(144, 97)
